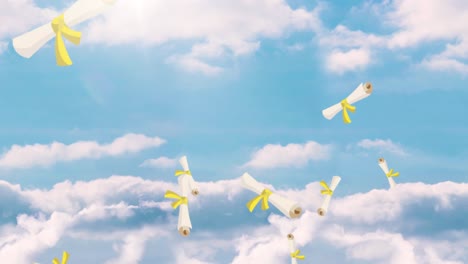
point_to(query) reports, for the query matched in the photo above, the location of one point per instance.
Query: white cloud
(45, 155)
(33, 235)
(192, 64)
(368, 226)
(388, 205)
(219, 27)
(421, 21)
(133, 247)
(182, 257)
(378, 247)
(349, 226)
(98, 211)
(414, 22)
(291, 155)
(340, 62)
(161, 162)
(269, 244)
(441, 62)
(343, 37)
(19, 16)
(383, 146)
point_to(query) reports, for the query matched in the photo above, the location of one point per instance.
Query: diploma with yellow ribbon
(60, 27)
(294, 252)
(181, 201)
(389, 173)
(328, 192)
(61, 31)
(65, 256)
(361, 92)
(181, 172)
(266, 196)
(261, 197)
(185, 176)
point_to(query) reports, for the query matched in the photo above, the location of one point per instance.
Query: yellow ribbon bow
(178, 199)
(62, 30)
(327, 190)
(181, 172)
(346, 106)
(264, 197)
(296, 255)
(65, 256)
(392, 174)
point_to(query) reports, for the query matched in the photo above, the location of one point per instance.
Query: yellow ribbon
(65, 256)
(296, 255)
(264, 197)
(181, 172)
(178, 199)
(62, 30)
(327, 190)
(346, 106)
(392, 174)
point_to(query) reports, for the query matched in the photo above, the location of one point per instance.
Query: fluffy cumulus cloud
(217, 27)
(128, 219)
(355, 59)
(291, 155)
(411, 23)
(45, 155)
(161, 162)
(383, 145)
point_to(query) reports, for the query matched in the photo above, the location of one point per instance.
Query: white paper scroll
(289, 208)
(192, 185)
(383, 165)
(185, 225)
(326, 202)
(361, 92)
(29, 43)
(292, 247)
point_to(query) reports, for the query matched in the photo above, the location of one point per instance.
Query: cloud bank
(413, 223)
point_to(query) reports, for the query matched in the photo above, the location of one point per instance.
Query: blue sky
(220, 90)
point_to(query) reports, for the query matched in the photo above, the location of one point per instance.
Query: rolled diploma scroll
(289, 208)
(292, 247)
(383, 165)
(191, 182)
(361, 92)
(29, 43)
(184, 224)
(326, 202)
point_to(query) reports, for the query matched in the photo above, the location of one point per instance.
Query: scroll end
(368, 87)
(321, 212)
(195, 192)
(290, 236)
(23, 52)
(296, 212)
(184, 231)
